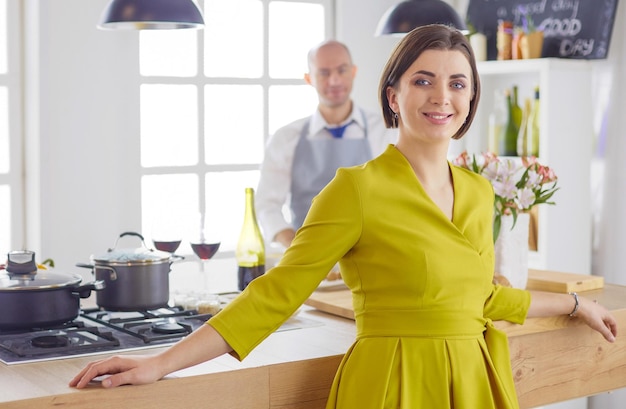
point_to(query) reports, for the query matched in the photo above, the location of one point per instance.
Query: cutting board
(558, 282)
(339, 302)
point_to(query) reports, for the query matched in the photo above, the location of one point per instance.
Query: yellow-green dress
(422, 291)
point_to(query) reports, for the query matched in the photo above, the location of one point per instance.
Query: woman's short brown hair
(420, 39)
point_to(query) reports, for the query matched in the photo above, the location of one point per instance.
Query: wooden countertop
(46, 382)
(553, 359)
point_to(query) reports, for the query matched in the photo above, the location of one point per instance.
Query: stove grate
(83, 339)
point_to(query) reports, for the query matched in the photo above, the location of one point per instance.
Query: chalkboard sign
(579, 29)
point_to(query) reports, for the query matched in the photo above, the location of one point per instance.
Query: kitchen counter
(553, 359)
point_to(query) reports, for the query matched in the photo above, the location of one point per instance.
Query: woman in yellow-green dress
(412, 234)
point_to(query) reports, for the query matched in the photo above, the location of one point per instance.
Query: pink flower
(546, 173)
(462, 160)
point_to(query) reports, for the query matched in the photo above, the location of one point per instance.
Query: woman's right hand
(201, 345)
(120, 370)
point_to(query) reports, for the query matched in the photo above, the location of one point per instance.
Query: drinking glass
(204, 244)
(166, 234)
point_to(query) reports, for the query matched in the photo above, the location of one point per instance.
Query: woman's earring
(395, 120)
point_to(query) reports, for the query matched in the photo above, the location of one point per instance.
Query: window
(10, 123)
(209, 100)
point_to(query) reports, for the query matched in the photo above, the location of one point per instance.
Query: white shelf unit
(566, 143)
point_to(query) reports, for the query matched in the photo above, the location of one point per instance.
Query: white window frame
(200, 80)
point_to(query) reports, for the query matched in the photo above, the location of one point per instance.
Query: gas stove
(96, 332)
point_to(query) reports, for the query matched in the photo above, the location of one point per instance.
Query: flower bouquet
(518, 184)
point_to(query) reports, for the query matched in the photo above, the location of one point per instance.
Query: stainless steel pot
(135, 278)
(35, 298)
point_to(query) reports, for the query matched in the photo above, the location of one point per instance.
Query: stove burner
(168, 327)
(152, 326)
(50, 341)
(54, 343)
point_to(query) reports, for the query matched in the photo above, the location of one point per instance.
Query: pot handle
(174, 258)
(112, 277)
(129, 233)
(84, 291)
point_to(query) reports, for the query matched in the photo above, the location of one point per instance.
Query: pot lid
(36, 280)
(133, 256)
(139, 255)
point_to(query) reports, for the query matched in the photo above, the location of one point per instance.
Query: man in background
(302, 157)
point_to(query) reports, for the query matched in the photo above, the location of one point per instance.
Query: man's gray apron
(315, 162)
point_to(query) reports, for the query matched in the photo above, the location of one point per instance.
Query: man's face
(332, 74)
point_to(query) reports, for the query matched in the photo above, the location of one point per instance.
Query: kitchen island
(553, 359)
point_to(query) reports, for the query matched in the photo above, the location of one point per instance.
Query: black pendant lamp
(405, 16)
(151, 15)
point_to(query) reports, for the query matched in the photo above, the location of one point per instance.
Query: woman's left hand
(597, 317)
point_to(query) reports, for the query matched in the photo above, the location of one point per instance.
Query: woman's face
(433, 96)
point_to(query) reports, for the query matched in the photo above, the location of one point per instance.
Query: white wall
(369, 53)
(82, 131)
(610, 184)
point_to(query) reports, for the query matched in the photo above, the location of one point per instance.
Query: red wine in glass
(169, 246)
(205, 250)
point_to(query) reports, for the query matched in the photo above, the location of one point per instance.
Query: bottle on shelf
(524, 130)
(508, 142)
(516, 108)
(533, 126)
(504, 39)
(250, 252)
(497, 120)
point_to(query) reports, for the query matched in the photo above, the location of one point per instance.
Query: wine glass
(166, 234)
(204, 245)
(205, 251)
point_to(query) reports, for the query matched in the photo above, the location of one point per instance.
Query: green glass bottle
(508, 143)
(533, 126)
(250, 252)
(497, 120)
(517, 109)
(524, 130)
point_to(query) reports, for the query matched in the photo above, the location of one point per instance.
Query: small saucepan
(135, 278)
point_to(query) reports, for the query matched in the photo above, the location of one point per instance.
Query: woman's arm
(545, 304)
(203, 344)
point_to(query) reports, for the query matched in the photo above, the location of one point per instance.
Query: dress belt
(427, 323)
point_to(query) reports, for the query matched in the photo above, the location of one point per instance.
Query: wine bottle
(522, 136)
(517, 109)
(533, 127)
(497, 120)
(508, 144)
(250, 252)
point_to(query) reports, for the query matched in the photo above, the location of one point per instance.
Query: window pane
(169, 125)
(4, 130)
(170, 208)
(225, 203)
(288, 52)
(288, 103)
(233, 124)
(233, 38)
(168, 52)
(3, 37)
(5, 218)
